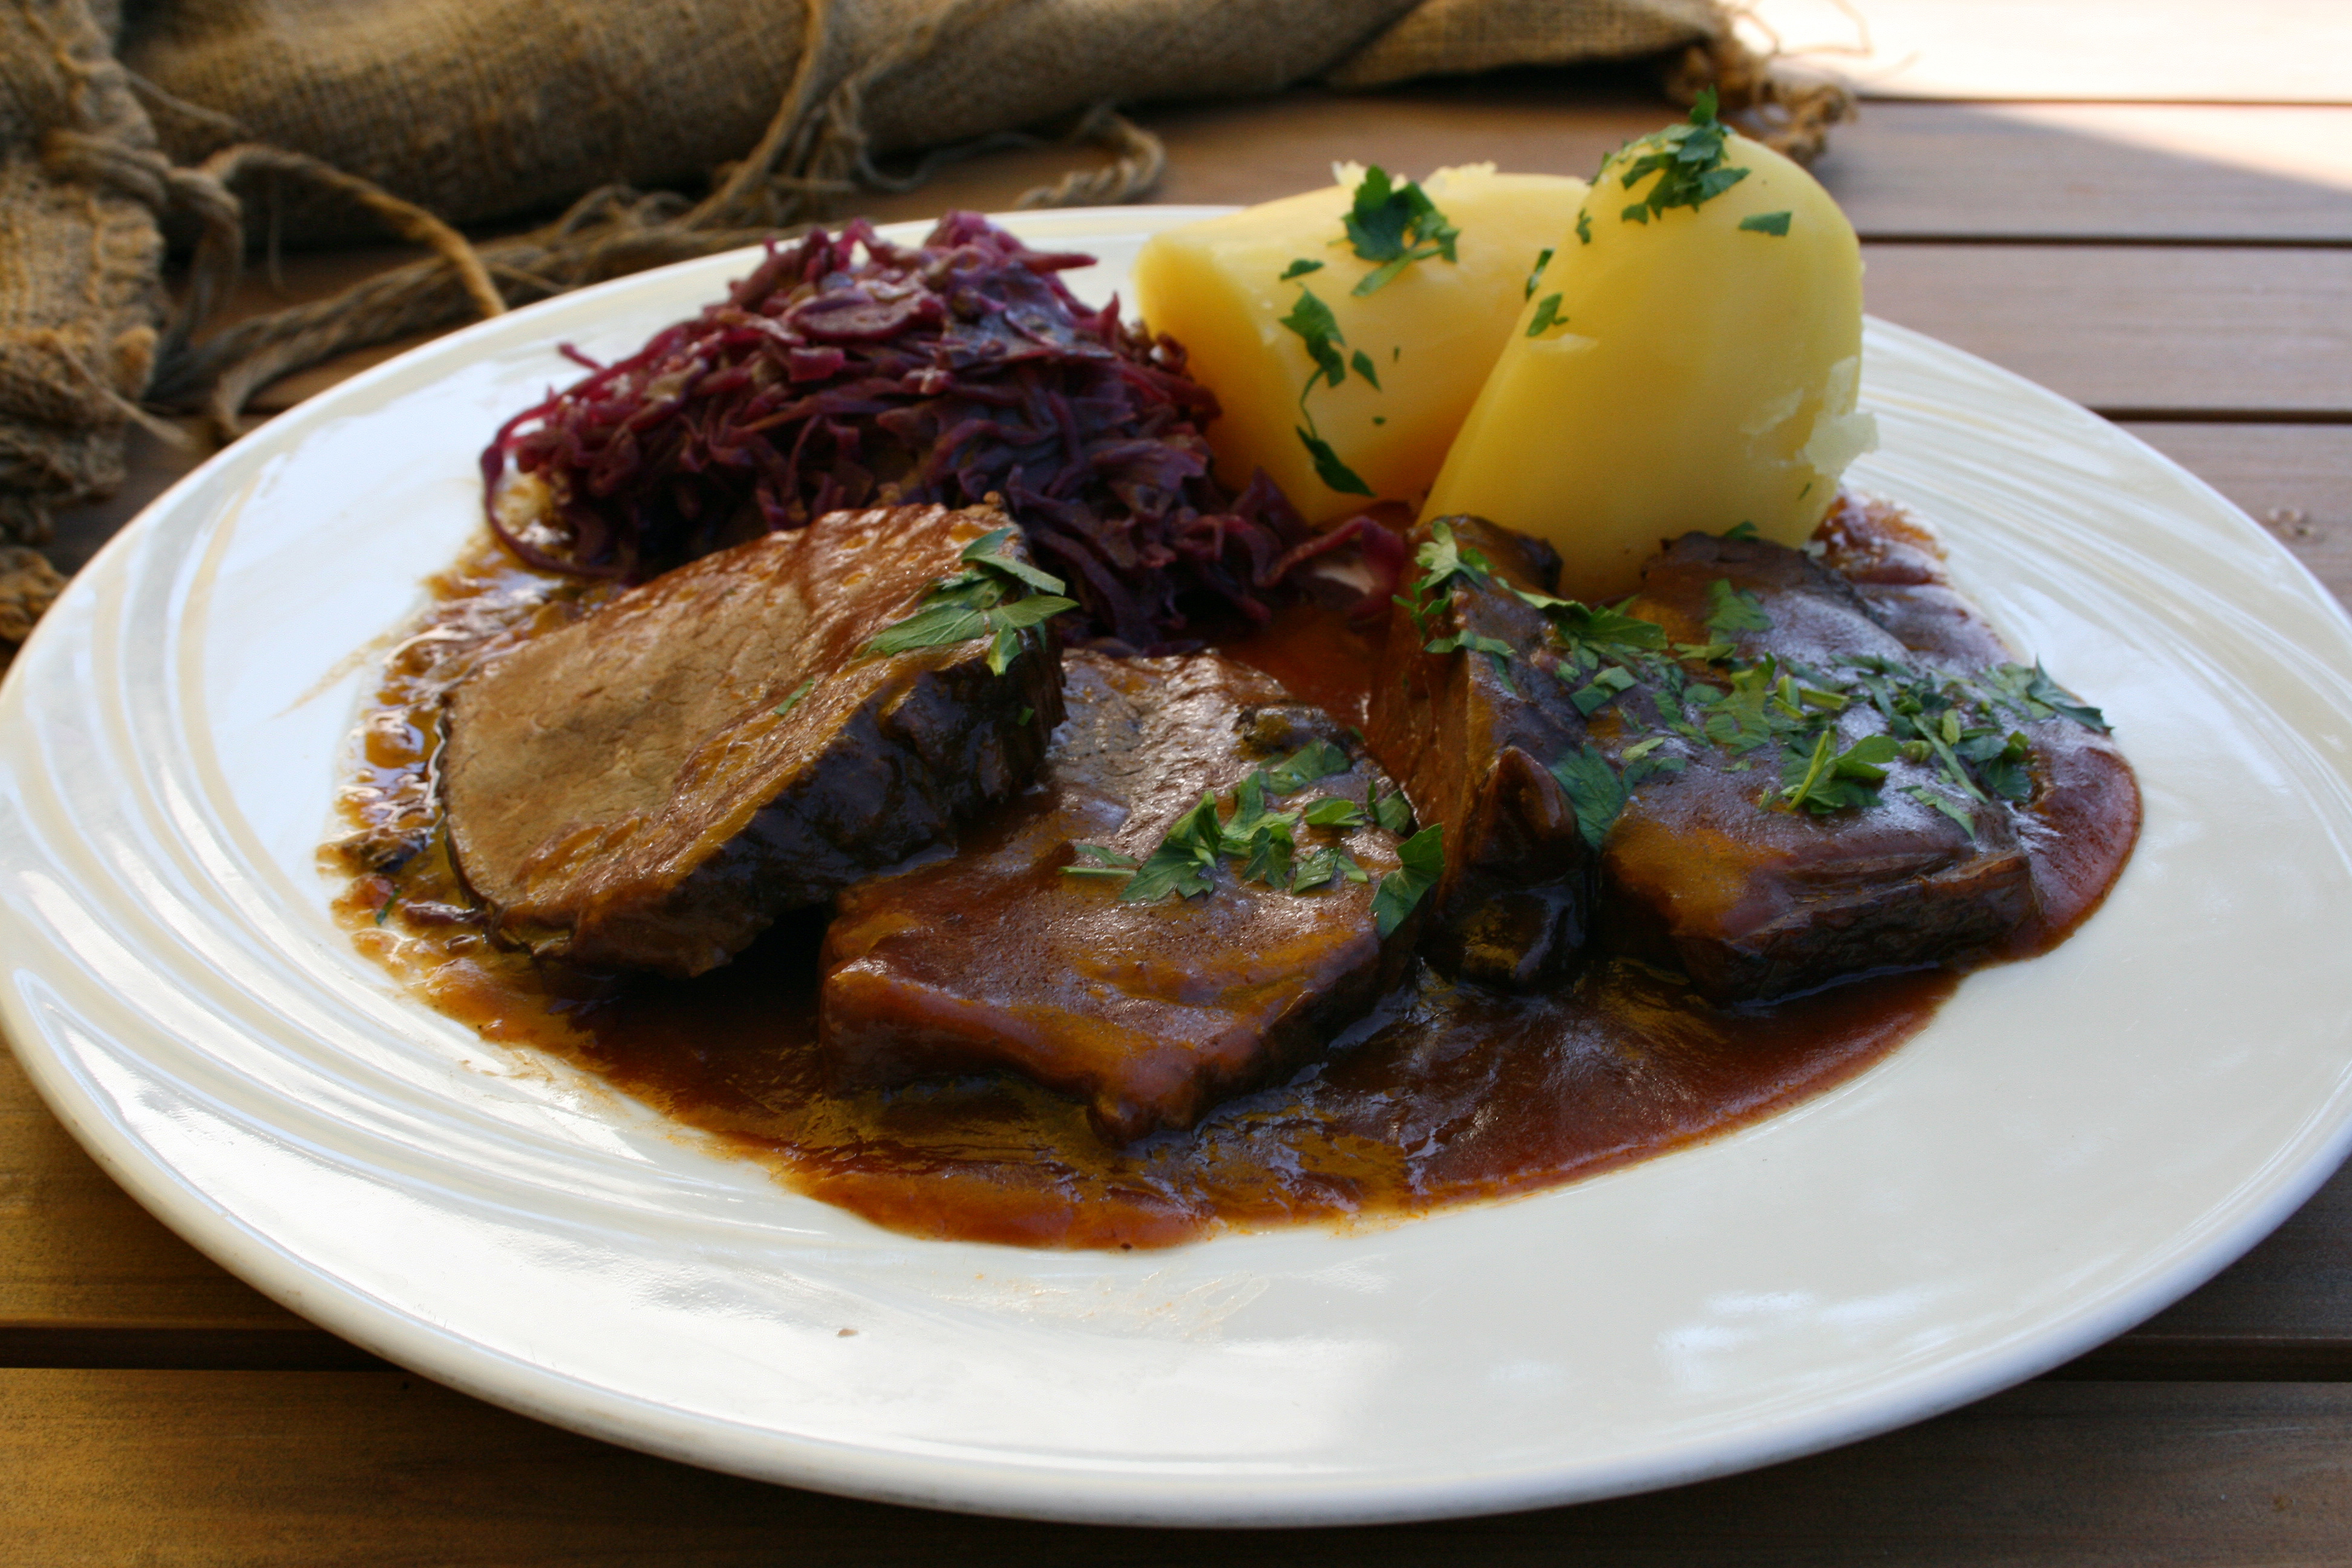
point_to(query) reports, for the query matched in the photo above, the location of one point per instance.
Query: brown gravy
(1445, 1095)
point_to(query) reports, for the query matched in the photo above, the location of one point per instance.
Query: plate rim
(1016, 1489)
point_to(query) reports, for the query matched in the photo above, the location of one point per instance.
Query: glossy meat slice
(1472, 743)
(1753, 901)
(1150, 1012)
(2085, 813)
(651, 786)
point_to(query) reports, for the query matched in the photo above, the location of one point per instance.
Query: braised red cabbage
(947, 373)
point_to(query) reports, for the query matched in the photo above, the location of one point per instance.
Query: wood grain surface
(298, 1468)
(2183, 266)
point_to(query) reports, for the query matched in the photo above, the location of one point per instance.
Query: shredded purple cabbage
(944, 373)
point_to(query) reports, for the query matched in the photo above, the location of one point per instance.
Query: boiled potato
(1677, 367)
(1430, 333)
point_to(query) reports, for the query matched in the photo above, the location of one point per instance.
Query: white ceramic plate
(2072, 1144)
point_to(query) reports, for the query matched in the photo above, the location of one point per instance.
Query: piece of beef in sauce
(2084, 813)
(1706, 871)
(1150, 1012)
(651, 786)
(1473, 744)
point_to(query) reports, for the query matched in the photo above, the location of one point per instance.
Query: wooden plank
(2249, 51)
(2094, 171)
(365, 1468)
(2296, 481)
(2182, 332)
(77, 1253)
(1903, 170)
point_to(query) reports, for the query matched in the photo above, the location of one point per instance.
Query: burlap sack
(336, 117)
(80, 305)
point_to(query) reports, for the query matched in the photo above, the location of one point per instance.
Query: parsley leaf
(1745, 533)
(1587, 627)
(1319, 329)
(1186, 861)
(1421, 862)
(1546, 316)
(977, 602)
(1610, 681)
(1766, 222)
(1392, 810)
(2038, 697)
(1497, 650)
(1827, 779)
(1594, 790)
(1329, 468)
(1731, 609)
(1335, 811)
(1396, 226)
(1950, 808)
(1687, 158)
(1101, 861)
(1363, 364)
(1300, 269)
(1315, 760)
(792, 701)
(1442, 559)
(1543, 260)
(1583, 226)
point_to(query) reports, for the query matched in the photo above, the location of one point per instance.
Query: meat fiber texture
(1472, 743)
(650, 787)
(1150, 1012)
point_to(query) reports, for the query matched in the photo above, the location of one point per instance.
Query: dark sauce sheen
(1447, 1094)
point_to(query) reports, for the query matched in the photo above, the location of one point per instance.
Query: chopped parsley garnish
(1395, 225)
(1543, 260)
(1594, 790)
(1317, 328)
(1497, 650)
(1423, 858)
(1312, 319)
(1337, 812)
(1687, 158)
(792, 701)
(1781, 715)
(1766, 222)
(1745, 533)
(2033, 692)
(1731, 609)
(1826, 779)
(1186, 862)
(1583, 226)
(1546, 316)
(1588, 628)
(1264, 840)
(1315, 760)
(986, 599)
(1300, 269)
(1949, 807)
(1101, 862)
(1361, 362)
(1441, 561)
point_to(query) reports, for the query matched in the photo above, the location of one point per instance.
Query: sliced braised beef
(1753, 890)
(1028, 953)
(1471, 727)
(651, 786)
(2084, 812)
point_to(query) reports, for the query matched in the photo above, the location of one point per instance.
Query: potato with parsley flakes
(1346, 332)
(1689, 359)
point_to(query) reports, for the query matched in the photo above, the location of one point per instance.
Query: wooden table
(2183, 266)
